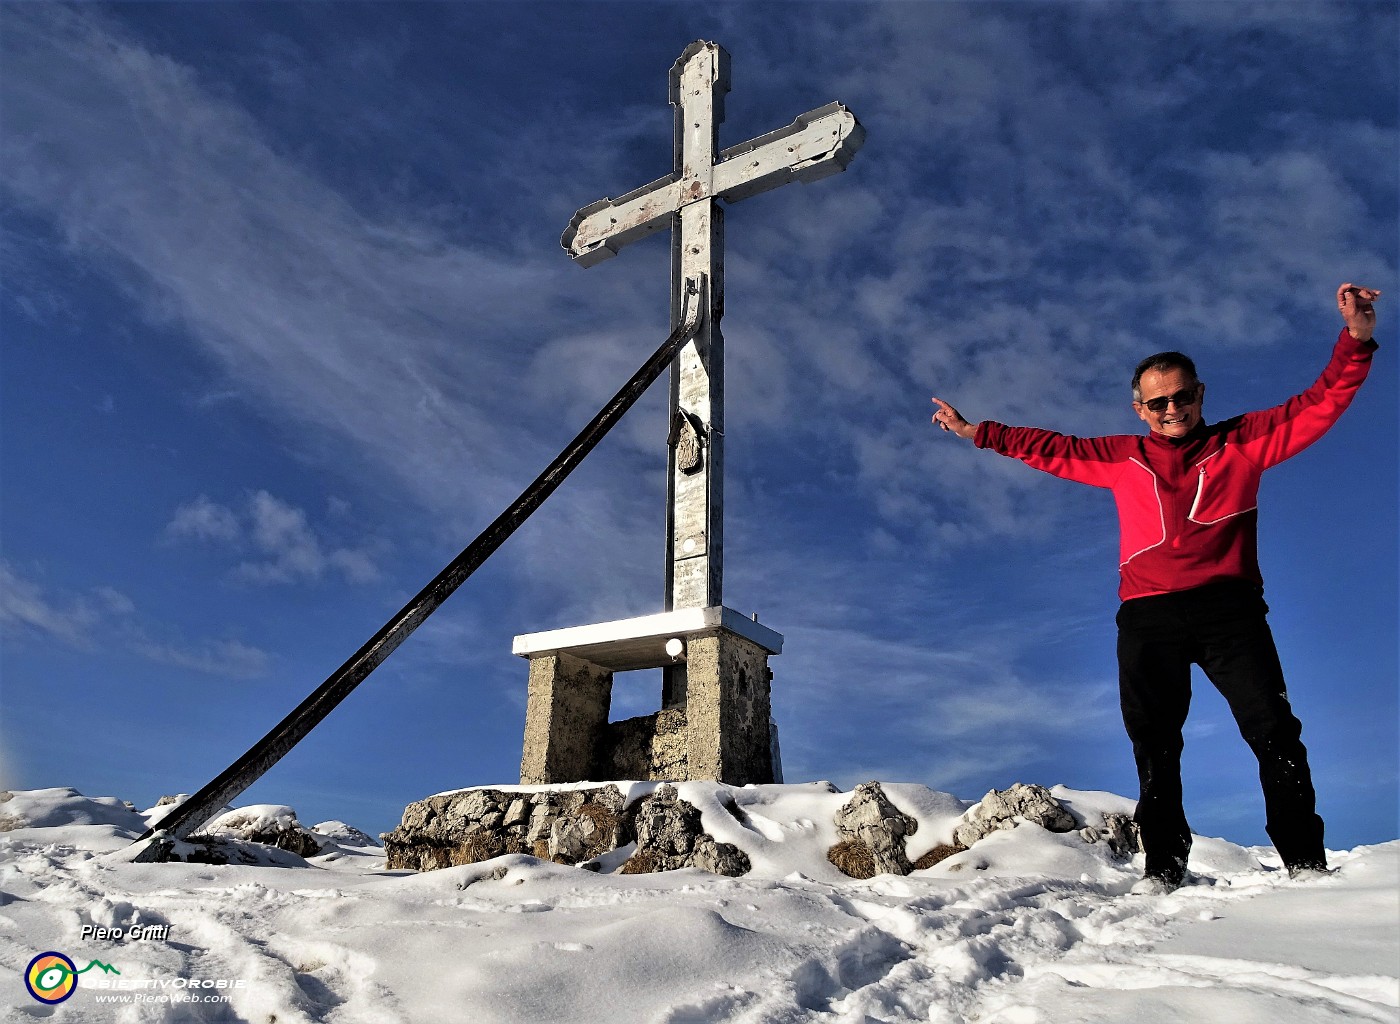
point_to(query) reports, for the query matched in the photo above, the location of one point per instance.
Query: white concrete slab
(625, 645)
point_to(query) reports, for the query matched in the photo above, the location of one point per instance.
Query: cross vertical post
(818, 143)
(695, 464)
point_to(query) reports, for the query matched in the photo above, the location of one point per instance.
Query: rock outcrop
(583, 825)
(268, 824)
(873, 832)
(1120, 833)
(670, 836)
(569, 826)
(1007, 808)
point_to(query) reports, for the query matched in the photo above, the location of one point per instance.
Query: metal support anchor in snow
(203, 805)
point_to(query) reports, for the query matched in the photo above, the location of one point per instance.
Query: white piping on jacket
(1161, 513)
(1200, 491)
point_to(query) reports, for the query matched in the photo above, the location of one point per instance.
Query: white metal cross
(818, 143)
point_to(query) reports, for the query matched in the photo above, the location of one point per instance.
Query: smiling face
(1175, 420)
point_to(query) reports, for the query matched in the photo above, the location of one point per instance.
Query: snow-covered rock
(1006, 808)
(344, 835)
(61, 806)
(268, 824)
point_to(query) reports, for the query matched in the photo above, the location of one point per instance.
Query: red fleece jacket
(1187, 507)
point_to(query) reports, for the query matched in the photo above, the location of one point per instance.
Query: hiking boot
(1162, 875)
(1309, 871)
(1158, 884)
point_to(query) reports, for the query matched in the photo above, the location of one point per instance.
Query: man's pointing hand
(951, 420)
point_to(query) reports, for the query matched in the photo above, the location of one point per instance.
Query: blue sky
(286, 323)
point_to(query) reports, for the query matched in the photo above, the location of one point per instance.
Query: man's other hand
(1354, 303)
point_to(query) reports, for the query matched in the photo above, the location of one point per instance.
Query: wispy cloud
(24, 605)
(203, 519)
(230, 658)
(945, 707)
(280, 535)
(106, 617)
(370, 330)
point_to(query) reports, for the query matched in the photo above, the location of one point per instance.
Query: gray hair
(1161, 362)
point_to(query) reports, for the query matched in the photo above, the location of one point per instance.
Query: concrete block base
(717, 725)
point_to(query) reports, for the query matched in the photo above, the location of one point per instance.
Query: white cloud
(24, 605)
(950, 706)
(115, 601)
(281, 532)
(376, 332)
(355, 566)
(1002, 239)
(109, 618)
(230, 658)
(1060, 231)
(284, 546)
(204, 519)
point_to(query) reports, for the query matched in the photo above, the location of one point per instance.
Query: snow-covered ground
(1027, 926)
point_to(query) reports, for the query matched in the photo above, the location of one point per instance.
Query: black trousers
(1220, 627)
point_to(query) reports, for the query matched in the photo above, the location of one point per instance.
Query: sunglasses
(1180, 399)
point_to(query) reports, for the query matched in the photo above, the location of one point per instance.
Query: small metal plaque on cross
(818, 143)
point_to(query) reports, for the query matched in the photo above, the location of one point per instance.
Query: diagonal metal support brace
(203, 805)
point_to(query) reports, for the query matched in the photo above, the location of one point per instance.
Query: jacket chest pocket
(1227, 485)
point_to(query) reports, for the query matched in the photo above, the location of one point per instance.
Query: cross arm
(600, 229)
(816, 145)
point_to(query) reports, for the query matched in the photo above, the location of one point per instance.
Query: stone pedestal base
(719, 726)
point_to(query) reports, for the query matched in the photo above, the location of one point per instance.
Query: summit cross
(818, 143)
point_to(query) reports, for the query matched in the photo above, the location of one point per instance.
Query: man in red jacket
(1190, 581)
